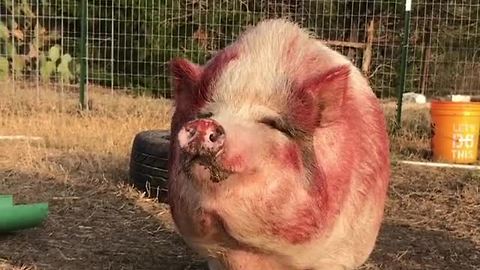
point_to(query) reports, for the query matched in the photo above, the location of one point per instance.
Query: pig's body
(297, 172)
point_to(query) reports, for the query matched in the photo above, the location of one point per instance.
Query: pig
(279, 154)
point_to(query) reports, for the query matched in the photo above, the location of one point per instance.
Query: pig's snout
(202, 137)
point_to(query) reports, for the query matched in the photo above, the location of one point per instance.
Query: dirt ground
(96, 221)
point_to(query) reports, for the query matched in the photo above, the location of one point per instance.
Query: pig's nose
(203, 136)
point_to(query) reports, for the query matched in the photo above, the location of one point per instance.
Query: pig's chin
(207, 168)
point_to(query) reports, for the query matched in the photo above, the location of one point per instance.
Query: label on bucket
(463, 141)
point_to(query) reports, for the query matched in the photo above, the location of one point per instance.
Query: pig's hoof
(148, 163)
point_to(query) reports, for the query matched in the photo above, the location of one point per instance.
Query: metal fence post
(83, 57)
(14, 73)
(403, 65)
(112, 49)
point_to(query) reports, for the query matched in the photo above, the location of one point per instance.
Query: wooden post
(367, 53)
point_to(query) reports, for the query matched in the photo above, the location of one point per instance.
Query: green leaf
(63, 68)
(18, 63)
(54, 53)
(8, 5)
(64, 72)
(25, 7)
(4, 32)
(66, 58)
(46, 70)
(3, 68)
(11, 50)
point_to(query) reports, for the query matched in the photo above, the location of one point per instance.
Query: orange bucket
(455, 128)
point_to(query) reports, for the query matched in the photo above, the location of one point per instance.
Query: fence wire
(129, 42)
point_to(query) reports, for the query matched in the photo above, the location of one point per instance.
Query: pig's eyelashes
(205, 115)
(277, 124)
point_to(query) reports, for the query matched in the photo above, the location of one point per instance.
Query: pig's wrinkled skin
(279, 154)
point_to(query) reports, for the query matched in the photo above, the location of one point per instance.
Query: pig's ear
(318, 100)
(184, 74)
(329, 87)
(328, 90)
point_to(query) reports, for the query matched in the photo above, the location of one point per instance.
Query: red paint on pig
(330, 87)
(300, 227)
(303, 112)
(234, 163)
(185, 77)
(201, 127)
(290, 156)
(192, 83)
(213, 69)
(311, 217)
(307, 105)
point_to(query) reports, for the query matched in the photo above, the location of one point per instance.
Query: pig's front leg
(239, 260)
(243, 260)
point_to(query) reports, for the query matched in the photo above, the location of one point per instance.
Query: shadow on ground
(94, 225)
(405, 247)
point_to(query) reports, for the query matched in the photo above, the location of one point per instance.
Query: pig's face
(242, 139)
(234, 122)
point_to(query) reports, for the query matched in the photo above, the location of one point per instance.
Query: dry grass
(98, 222)
(6, 266)
(412, 141)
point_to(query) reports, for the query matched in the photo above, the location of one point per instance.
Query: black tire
(148, 163)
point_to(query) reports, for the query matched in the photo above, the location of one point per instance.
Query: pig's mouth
(217, 172)
(203, 144)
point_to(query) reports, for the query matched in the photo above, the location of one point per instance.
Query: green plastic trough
(19, 217)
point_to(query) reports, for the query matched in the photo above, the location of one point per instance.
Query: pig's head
(252, 110)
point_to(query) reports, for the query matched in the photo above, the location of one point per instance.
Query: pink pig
(279, 155)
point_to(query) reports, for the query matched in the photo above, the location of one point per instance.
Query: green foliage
(47, 69)
(54, 53)
(49, 66)
(18, 63)
(4, 32)
(3, 68)
(11, 49)
(25, 39)
(26, 10)
(64, 69)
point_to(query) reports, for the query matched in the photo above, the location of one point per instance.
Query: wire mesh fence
(129, 42)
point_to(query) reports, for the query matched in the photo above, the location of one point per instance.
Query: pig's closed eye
(278, 124)
(205, 115)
